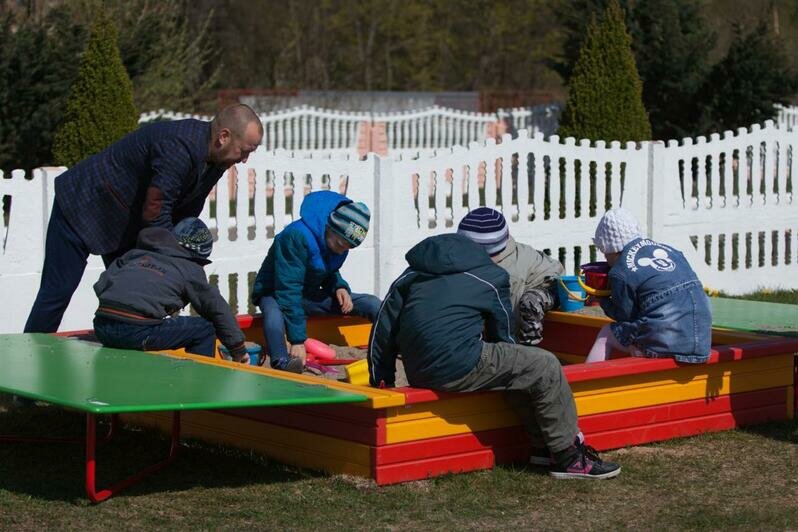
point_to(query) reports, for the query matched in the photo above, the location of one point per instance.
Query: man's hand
(298, 351)
(344, 300)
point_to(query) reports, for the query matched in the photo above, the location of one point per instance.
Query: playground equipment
(403, 434)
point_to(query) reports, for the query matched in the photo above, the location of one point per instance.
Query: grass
(734, 480)
(772, 296)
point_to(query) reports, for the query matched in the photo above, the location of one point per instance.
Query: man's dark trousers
(65, 258)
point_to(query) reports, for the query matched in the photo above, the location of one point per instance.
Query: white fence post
(384, 224)
(654, 193)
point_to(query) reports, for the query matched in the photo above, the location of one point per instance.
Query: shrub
(100, 107)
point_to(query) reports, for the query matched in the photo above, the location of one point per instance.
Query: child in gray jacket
(533, 274)
(142, 291)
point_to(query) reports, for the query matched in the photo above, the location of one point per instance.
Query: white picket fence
(308, 130)
(727, 202)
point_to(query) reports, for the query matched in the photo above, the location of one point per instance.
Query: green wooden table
(99, 380)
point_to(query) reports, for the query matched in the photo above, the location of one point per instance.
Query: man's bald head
(235, 133)
(236, 118)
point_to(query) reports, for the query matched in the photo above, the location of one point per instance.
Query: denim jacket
(658, 303)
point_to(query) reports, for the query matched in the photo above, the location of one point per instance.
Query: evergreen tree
(605, 92)
(573, 17)
(742, 88)
(100, 108)
(672, 41)
(37, 65)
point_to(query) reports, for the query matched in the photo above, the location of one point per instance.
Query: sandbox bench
(404, 434)
(96, 380)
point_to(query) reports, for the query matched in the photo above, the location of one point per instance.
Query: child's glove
(531, 310)
(239, 354)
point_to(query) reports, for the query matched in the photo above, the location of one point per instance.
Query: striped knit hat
(194, 235)
(350, 221)
(487, 227)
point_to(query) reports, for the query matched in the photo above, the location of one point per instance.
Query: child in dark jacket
(300, 275)
(449, 316)
(142, 290)
(658, 304)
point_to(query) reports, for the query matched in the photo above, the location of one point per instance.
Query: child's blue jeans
(364, 305)
(193, 333)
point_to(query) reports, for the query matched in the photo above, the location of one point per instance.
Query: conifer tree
(672, 41)
(100, 107)
(742, 88)
(605, 92)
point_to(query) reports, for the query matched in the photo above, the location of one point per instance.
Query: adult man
(152, 177)
(435, 314)
(533, 274)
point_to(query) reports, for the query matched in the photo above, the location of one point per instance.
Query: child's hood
(316, 209)
(445, 254)
(161, 240)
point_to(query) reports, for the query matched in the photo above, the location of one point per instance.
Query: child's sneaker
(586, 465)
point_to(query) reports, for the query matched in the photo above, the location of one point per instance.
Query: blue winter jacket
(658, 303)
(299, 265)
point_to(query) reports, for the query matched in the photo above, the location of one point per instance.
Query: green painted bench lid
(755, 316)
(92, 378)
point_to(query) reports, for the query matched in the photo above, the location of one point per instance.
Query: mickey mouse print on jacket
(658, 303)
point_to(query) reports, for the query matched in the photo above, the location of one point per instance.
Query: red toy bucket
(596, 278)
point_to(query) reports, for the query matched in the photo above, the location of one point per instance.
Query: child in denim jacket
(658, 304)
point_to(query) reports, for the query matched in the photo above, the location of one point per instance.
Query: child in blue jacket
(658, 304)
(300, 275)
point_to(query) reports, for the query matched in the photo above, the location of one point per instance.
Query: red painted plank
(685, 427)
(635, 366)
(421, 469)
(425, 395)
(447, 445)
(637, 417)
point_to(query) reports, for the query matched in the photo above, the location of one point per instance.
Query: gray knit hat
(350, 221)
(616, 228)
(487, 227)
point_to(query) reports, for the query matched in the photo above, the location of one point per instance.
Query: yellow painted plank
(622, 399)
(435, 427)
(468, 404)
(303, 449)
(375, 397)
